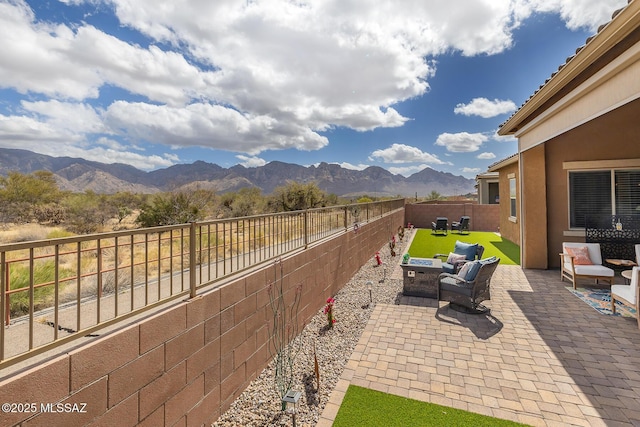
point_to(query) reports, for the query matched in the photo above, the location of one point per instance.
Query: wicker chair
(467, 295)
(471, 252)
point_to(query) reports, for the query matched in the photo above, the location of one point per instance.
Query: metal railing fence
(58, 290)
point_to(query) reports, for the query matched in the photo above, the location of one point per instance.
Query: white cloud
(506, 138)
(251, 162)
(27, 133)
(462, 142)
(486, 156)
(576, 13)
(406, 170)
(401, 153)
(66, 116)
(247, 76)
(485, 108)
(471, 170)
(211, 126)
(350, 166)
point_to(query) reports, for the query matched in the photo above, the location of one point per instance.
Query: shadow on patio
(541, 357)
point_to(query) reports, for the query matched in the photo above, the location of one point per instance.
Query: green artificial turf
(371, 408)
(426, 245)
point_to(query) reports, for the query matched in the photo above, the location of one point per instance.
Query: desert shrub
(296, 196)
(170, 209)
(109, 281)
(51, 213)
(20, 193)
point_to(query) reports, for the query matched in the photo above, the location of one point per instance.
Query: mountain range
(79, 175)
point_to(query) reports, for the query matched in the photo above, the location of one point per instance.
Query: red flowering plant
(328, 310)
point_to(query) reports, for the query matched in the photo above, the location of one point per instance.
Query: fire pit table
(420, 277)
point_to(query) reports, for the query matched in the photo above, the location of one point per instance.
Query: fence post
(192, 260)
(6, 305)
(3, 297)
(306, 228)
(346, 214)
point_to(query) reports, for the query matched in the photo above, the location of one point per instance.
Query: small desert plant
(328, 311)
(283, 331)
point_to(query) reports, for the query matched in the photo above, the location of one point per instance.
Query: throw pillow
(453, 258)
(488, 260)
(580, 255)
(473, 271)
(467, 249)
(464, 270)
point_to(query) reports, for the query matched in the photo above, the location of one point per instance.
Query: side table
(621, 262)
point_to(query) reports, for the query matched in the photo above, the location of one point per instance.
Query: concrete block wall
(483, 217)
(186, 364)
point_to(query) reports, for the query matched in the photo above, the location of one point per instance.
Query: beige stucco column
(533, 209)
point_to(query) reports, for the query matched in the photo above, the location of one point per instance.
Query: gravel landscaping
(259, 404)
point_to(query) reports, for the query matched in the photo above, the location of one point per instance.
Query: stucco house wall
(614, 136)
(584, 117)
(509, 226)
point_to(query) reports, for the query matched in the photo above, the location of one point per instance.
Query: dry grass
(12, 233)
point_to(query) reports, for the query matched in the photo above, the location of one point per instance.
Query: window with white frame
(512, 197)
(602, 192)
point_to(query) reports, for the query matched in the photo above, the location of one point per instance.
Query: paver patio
(541, 356)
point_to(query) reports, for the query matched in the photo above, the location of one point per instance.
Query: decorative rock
(259, 404)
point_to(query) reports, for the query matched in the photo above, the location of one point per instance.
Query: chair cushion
(469, 250)
(448, 268)
(626, 292)
(593, 270)
(580, 255)
(594, 250)
(474, 268)
(455, 257)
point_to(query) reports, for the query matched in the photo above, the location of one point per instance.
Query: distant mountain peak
(79, 175)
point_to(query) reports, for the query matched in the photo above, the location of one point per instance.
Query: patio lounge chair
(462, 226)
(578, 262)
(466, 290)
(627, 293)
(470, 251)
(440, 226)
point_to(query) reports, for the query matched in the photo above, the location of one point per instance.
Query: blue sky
(402, 85)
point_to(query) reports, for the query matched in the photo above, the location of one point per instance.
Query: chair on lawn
(461, 226)
(440, 226)
(467, 290)
(583, 260)
(462, 253)
(628, 294)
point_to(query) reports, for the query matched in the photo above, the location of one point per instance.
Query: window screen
(512, 196)
(589, 195)
(627, 192)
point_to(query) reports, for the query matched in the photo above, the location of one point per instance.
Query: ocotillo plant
(284, 329)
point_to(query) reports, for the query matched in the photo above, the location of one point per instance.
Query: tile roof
(507, 160)
(589, 39)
